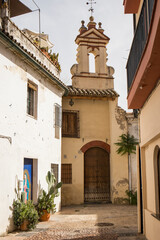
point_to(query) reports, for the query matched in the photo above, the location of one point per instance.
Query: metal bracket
(9, 138)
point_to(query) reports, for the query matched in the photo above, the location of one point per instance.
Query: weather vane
(91, 2)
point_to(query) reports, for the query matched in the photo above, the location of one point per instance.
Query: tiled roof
(110, 93)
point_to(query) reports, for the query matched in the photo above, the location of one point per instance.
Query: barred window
(70, 126)
(58, 120)
(32, 99)
(54, 169)
(66, 173)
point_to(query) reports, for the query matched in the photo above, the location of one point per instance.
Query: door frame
(92, 144)
(34, 177)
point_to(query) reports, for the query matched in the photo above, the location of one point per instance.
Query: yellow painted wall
(150, 138)
(99, 120)
(150, 118)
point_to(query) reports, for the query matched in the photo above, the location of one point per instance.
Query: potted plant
(25, 215)
(45, 204)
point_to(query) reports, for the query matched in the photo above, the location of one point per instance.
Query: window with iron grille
(70, 124)
(58, 114)
(66, 173)
(32, 99)
(54, 169)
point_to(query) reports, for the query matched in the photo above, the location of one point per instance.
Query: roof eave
(28, 58)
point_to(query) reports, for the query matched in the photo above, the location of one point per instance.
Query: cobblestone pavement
(86, 222)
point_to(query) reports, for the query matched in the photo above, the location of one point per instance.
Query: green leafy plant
(46, 200)
(132, 197)
(54, 59)
(126, 144)
(24, 211)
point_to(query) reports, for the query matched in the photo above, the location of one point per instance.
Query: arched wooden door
(96, 175)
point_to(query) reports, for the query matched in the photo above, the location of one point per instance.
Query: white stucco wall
(31, 138)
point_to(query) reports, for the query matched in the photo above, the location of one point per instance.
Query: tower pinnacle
(91, 2)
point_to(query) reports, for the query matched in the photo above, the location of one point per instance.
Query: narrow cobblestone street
(86, 222)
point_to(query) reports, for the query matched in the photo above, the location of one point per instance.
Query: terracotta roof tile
(110, 93)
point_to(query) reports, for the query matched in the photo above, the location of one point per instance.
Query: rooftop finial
(100, 25)
(83, 22)
(91, 2)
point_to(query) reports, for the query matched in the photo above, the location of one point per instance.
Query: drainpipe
(130, 172)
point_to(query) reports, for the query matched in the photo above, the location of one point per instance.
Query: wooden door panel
(96, 175)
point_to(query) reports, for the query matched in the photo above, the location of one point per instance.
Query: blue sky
(61, 19)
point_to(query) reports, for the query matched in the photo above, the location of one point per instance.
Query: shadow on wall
(11, 226)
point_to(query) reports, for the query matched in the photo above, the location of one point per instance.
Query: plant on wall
(127, 145)
(53, 57)
(132, 195)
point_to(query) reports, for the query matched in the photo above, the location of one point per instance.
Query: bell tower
(92, 40)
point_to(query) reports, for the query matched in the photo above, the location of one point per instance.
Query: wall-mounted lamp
(71, 103)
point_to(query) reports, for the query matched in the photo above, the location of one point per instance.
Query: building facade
(92, 171)
(30, 118)
(143, 73)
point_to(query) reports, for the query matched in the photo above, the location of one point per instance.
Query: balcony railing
(139, 41)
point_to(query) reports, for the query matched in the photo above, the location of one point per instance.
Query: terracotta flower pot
(45, 216)
(24, 225)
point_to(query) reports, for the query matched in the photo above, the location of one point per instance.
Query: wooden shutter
(57, 115)
(70, 122)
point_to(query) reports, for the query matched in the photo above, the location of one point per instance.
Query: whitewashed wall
(30, 138)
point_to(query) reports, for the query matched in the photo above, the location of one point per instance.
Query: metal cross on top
(91, 2)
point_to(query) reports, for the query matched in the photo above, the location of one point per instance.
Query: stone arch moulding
(96, 143)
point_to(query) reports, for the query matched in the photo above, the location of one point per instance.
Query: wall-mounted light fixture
(71, 103)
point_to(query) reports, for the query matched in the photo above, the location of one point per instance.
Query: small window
(70, 126)
(57, 120)
(67, 173)
(32, 99)
(54, 169)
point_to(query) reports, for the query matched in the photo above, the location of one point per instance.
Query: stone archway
(96, 172)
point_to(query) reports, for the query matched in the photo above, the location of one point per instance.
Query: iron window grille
(32, 99)
(66, 173)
